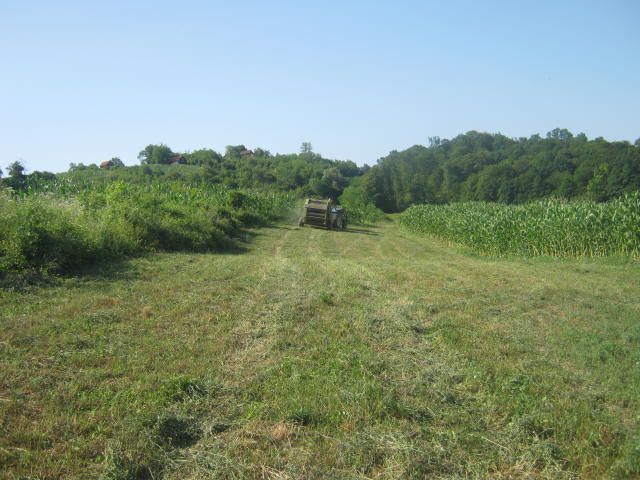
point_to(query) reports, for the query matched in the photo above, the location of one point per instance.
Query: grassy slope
(365, 354)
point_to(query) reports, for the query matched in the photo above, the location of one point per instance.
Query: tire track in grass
(346, 355)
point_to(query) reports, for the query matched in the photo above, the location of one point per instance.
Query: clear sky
(83, 81)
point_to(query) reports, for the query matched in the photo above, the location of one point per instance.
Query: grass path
(371, 353)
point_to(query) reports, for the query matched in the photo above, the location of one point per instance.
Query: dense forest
(471, 166)
(495, 168)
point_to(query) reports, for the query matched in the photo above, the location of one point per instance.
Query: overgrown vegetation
(64, 225)
(306, 173)
(549, 227)
(365, 214)
(359, 210)
(470, 167)
(494, 168)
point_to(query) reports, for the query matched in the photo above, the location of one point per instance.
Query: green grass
(371, 353)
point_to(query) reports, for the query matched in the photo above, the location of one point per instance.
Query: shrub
(44, 234)
(363, 214)
(61, 226)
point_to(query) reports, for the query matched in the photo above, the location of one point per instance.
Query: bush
(72, 225)
(360, 209)
(363, 214)
(44, 234)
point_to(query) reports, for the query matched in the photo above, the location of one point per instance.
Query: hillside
(373, 353)
(306, 173)
(470, 167)
(492, 167)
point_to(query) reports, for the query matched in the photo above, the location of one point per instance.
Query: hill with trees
(470, 167)
(496, 168)
(304, 173)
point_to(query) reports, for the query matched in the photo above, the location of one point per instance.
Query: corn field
(267, 204)
(550, 227)
(58, 226)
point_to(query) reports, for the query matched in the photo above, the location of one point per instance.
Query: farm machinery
(323, 213)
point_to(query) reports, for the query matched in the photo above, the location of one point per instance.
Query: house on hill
(115, 162)
(246, 153)
(177, 158)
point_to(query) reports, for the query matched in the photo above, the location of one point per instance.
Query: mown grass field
(372, 353)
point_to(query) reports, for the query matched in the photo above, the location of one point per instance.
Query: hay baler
(323, 213)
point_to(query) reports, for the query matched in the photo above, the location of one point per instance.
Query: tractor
(323, 213)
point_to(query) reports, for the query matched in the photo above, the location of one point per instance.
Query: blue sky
(85, 81)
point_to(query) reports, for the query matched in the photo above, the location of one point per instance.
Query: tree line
(495, 168)
(472, 166)
(303, 173)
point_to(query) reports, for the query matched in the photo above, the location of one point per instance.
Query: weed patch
(182, 388)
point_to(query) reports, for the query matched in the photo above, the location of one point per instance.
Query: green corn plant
(551, 227)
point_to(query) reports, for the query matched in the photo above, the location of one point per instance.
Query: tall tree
(16, 170)
(153, 154)
(481, 166)
(116, 162)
